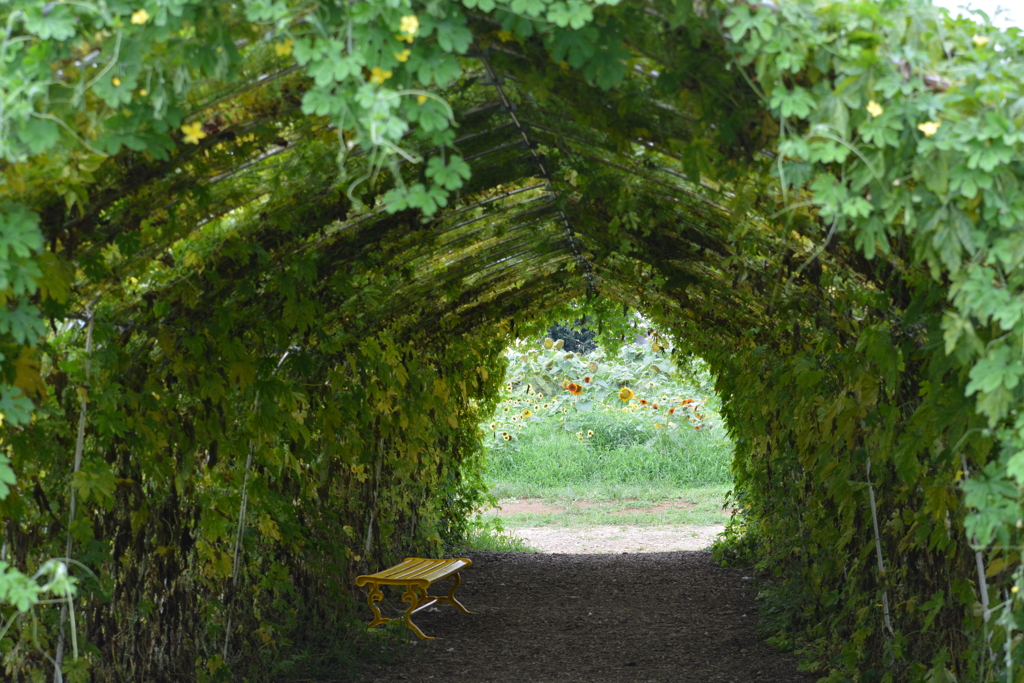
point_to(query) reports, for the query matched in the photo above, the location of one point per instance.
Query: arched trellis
(208, 266)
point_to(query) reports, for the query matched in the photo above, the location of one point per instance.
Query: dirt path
(608, 538)
(670, 617)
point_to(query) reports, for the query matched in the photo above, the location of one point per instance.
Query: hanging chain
(574, 242)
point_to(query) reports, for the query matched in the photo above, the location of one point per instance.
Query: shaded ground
(668, 617)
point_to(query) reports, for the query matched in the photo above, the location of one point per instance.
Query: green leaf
(450, 176)
(58, 23)
(19, 232)
(533, 8)
(7, 478)
(796, 102)
(15, 407)
(39, 134)
(574, 47)
(453, 37)
(572, 13)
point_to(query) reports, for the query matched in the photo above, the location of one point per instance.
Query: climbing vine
(259, 261)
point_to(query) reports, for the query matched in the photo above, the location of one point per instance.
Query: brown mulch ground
(668, 617)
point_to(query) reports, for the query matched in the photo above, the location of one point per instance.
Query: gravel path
(618, 538)
(670, 617)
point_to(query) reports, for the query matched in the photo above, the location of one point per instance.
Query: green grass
(547, 457)
(490, 534)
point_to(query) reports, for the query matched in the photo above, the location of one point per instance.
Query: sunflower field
(625, 416)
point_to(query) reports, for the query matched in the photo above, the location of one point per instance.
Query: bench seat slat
(417, 570)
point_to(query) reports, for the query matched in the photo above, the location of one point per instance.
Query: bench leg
(372, 598)
(412, 597)
(457, 579)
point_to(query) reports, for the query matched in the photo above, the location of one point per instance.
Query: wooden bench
(416, 574)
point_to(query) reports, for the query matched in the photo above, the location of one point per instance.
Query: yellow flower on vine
(875, 109)
(420, 99)
(410, 24)
(284, 48)
(139, 17)
(379, 75)
(929, 128)
(193, 132)
(116, 81)
(403, 56)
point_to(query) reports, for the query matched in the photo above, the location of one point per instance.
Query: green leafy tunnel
(261, 260)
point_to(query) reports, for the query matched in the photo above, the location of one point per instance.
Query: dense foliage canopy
(259, 260)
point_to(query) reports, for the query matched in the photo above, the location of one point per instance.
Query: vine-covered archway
(261, 259)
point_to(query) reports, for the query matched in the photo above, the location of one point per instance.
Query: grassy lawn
(551, 477)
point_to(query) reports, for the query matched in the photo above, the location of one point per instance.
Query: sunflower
(671, 411)
(515, 418)
(655, 406)
(579, 433)
(565, 383)
(505, 409)
(540, 395)
(506, 436)
(590, 432)
(643, 401)
(625, 394)
(574, 389)
(527, 413)
(587, 380)
(494, 425)
(687, 401)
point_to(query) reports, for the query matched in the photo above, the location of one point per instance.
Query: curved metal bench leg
(413, 598)
(372, 598)
(451, 595)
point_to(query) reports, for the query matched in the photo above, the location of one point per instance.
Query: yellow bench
(416, 574)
